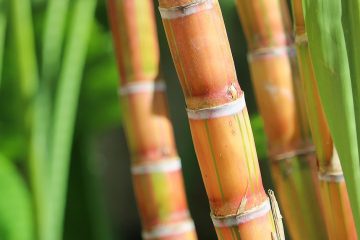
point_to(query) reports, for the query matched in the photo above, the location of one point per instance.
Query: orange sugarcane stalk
(219, 121)
(338, 215)
(156, 167)
(272, 62)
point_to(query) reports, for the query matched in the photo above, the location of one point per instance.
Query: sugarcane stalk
(219, 121)
(338, 215)
(156, 166)
(273, 68)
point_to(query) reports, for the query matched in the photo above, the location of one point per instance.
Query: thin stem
(51, 53)
(24, 38)
(25, 46)
(56, 15)
(65, 107)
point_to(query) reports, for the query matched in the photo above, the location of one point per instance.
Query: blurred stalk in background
(338, 214)
(156, 166)
(219, 120)
(279, 95)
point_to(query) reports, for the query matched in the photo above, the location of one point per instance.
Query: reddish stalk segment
(218, 118)
(156, 167)
(280, 99)
(338, 214)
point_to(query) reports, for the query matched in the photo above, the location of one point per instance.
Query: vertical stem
(25, 46)
(53, 38)
(218, 118)
(65, 111)
(156, 167)
(24, 38)
(42, 113)
(279, 96)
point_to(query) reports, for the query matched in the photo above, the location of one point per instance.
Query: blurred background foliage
(100, 203)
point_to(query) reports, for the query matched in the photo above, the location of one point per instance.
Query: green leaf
(16, 220)
(351, 23)
(328, 51)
